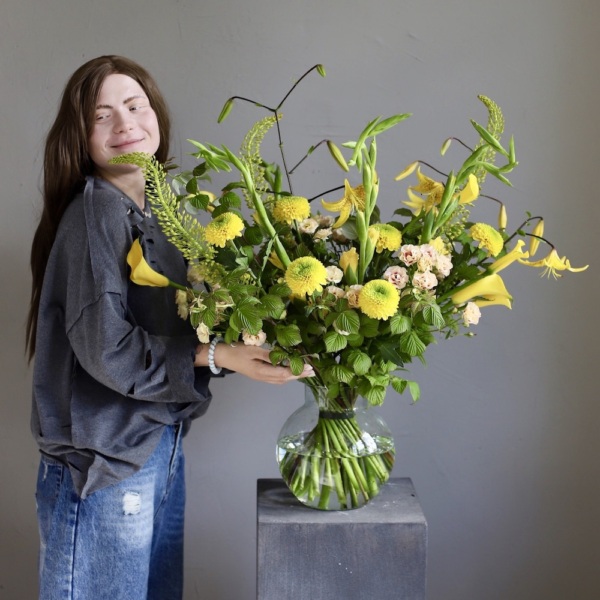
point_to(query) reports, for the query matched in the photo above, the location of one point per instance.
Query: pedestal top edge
(397, 502)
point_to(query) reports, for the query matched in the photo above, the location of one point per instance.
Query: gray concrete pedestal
(371, 553)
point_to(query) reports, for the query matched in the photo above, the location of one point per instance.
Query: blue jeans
(123, 542)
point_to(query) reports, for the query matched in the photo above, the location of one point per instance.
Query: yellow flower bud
(502, 218)
(534, 242)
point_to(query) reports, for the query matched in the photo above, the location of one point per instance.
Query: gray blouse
(114, 362)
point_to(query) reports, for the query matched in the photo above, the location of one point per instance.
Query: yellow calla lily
(353, 198)
(470, 192)
(141, 272)
(486, 291)
(510, 257)
(553, 263)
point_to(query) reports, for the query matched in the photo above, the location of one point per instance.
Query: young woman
(118, 376)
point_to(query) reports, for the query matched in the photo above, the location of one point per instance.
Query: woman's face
(124, 122)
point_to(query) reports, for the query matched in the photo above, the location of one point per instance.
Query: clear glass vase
(334, 453)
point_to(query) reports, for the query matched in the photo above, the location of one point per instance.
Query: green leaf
(390, 353)
(375, 396)
(399, 384)
(278, 355)
(348, 321)
(386, 124)
(411, 344)
(369, 327)
(334, 342)
(355, 340)
(273, 305)
(341, 374)
(288, 335)
(296, 365)
(400, 324)
(360, 362)
(253, 235)
(432, 314)
(489, 138)
(415, 390)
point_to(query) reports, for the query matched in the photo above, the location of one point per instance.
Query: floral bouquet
(332, 283)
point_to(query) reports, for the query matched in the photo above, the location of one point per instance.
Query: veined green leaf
(433, 316)
(348, 321)
(334, 342)
(296, 365)
(288, 335)
(412, 344)
(340, 373)
(376, 395)
(360, 362)
(273, 305)
(400, 324)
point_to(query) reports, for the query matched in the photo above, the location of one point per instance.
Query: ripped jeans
(123, 542)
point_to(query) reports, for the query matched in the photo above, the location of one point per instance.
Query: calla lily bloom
(484, 292)
(515, 254)
(470, 192)
(353, 198)
(553, 263)
(141, 272)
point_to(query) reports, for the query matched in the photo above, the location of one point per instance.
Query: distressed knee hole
(132, 503)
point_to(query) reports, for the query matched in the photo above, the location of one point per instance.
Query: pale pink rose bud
(397, 276)
(443, 265)
(309, 225)
(203, 333)
(352, 294)
(424, 281)
(471, 314)
(409, 254)
(254, 340)
(334, 274)
(336, 291)
(322, 234)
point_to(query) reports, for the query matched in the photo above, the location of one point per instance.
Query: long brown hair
(67, 161)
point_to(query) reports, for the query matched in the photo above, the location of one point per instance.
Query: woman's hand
(251, 361)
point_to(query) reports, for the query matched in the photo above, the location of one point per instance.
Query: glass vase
(335, 453)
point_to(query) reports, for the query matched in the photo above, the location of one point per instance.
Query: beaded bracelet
(211, 355)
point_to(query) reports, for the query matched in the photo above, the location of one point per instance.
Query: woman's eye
(102, 117)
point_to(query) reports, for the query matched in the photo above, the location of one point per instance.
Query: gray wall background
(504, 446)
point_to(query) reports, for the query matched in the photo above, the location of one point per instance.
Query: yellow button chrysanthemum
(488, 238)
(291, 208)
(379, 299)
(223, 229)
(306, 275)
(389, 237)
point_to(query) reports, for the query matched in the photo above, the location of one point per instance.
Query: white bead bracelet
(211, 356)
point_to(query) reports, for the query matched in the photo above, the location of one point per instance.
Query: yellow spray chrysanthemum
(488, 238)
(223, 229)
(379, 299)
(291, 208)
(306, 275)
(389, 237)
